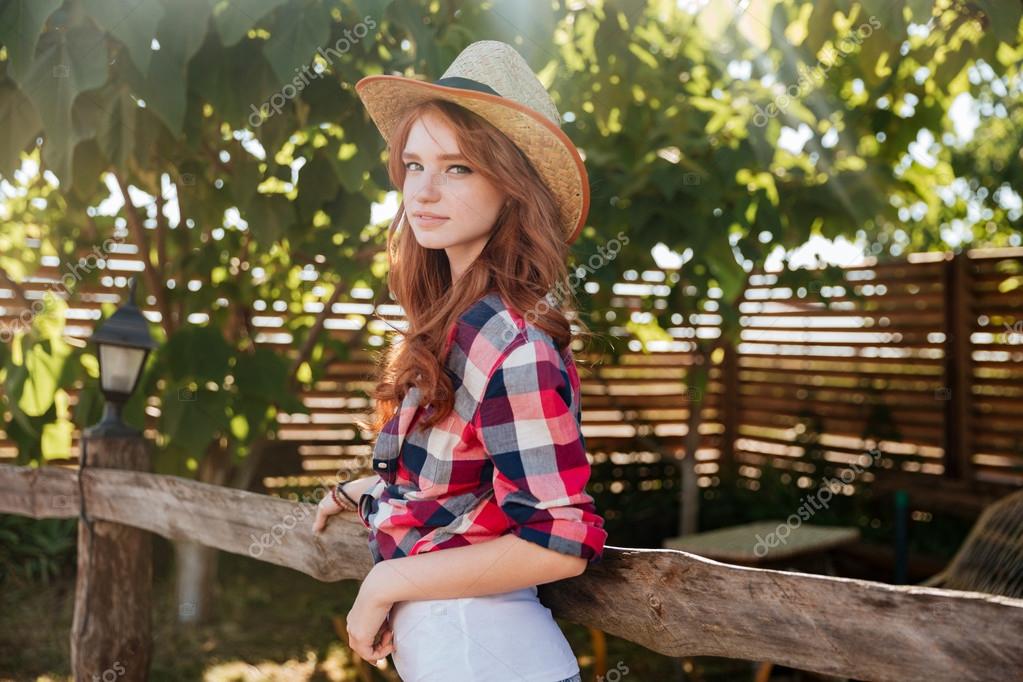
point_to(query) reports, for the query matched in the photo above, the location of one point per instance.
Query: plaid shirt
(510, 458)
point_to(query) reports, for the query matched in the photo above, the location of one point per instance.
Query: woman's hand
(369, 628)
(328, 507)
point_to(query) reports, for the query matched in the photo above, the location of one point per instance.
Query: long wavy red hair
(523, 259)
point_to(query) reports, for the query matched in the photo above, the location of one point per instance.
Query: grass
(270, 623)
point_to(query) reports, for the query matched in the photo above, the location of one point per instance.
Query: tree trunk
(689, 495)
(195, 564)
(196, 569)
(689, 491)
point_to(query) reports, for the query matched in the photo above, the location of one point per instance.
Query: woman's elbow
(578, 565)
(568, 565)
(557, 565)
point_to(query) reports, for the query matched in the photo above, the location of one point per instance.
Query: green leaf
(373, 8)
(89, 408)
(648, 332)
(171, 461)
(240, 84)
(192, 418)
(317, 184)
(56, 441)
(920, 11)
(725, 269)
(49, 323)
(819, 28)
(134, 411)
(954, 61)
(68, 62)
(295, 37)
(273, 132)
(261, 374)
(43, 366)
(240, 427)
(326, 100)
(86, 168)
(255, 411)
(21, 21)
(116, 135)
(134, 25)
(234, 18)
(269, 217)
(180, 33)
(244, 181)
(23, 431)
(1004, 16)
(19, 125)
(198, 353)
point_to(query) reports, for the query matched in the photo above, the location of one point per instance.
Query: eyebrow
(442, 157)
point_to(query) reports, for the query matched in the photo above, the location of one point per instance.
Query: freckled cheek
(473, 201)
(410, 188)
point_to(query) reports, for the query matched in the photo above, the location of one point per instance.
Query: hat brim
(549, 149)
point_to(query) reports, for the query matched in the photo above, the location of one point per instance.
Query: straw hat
(492, 80)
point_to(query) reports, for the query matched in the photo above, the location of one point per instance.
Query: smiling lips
(427, 218)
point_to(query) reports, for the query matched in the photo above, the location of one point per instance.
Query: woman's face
(438, 182)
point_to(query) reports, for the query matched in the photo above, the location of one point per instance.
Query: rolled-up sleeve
(367, 499)
(527, 426)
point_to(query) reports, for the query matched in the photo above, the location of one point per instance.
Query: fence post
(958, 367)
(729, 404)
(111, 636)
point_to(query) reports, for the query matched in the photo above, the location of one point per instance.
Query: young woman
(480, 466)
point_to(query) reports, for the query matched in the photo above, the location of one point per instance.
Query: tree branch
(314, 334)
(19, 291)
(161, 237)
(153, 277)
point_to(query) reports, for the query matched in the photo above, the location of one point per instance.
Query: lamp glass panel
(119, 367)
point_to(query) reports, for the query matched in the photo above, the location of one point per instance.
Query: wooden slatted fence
(920, 357)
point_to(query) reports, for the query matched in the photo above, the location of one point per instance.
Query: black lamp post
(124, 343)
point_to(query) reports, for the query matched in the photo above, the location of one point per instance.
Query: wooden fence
(920, 357)
(929, 363)
(668, 601)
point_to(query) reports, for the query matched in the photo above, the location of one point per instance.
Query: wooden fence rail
(669, 601)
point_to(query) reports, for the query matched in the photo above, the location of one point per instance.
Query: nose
(428, 189)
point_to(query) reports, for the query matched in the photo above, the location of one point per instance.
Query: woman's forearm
(501, 565)
(357, 486)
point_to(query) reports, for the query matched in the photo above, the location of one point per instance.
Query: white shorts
(507, 637)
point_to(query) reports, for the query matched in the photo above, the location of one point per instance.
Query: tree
(682, 119)
(148, 142)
